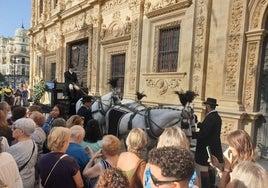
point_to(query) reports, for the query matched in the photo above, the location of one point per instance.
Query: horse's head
(187, 115)
(116, 99)
(112, 98)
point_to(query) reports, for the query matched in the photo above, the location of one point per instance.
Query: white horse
(101, 105)
(154, 120)
(131, 105)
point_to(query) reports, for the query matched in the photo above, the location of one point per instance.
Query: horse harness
(101, 108)
(149, 123)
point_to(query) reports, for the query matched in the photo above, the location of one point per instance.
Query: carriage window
(168, 49)
(118, 70)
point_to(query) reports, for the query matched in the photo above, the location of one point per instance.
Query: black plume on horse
(113, 82)
(186, 97)
(140, 95)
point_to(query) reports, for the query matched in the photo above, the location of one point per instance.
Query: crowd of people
(59, 151)
(15, 97)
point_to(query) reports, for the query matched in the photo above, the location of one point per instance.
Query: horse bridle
(101, 104)
(149, 123)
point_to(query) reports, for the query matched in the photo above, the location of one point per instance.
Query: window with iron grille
(168, 49)
(118, 70)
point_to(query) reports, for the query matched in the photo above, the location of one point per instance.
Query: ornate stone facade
(220, 47)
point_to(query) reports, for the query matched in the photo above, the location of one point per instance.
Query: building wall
(14, 58)
(220, 48)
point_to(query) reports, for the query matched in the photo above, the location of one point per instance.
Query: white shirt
(9, 172)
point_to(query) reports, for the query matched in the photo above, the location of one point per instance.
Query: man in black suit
(70, 82)
(85, 110)
(208, 135)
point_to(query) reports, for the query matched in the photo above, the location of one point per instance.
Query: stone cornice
(115, 40)
(156, 11)
(255, 35)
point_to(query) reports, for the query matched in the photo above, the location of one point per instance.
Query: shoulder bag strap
(23, 166)
(135, 180)
(53, 168)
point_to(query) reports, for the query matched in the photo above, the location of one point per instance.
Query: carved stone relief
(162, 85)
(134, 54)
(117, 28)
(74, 23)
(257, 16)
(233, 49)
(94, 58)
(113, 4)
(227, 127)
(199, 45)
(52, 38)
(251, 59)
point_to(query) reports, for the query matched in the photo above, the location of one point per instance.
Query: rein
(149, 123)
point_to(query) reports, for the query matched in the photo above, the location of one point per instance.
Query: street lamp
(14, 74)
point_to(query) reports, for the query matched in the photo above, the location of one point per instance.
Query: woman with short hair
(56, 168)
(248, 174)
(136, 142)
(108, 155)
(25, 150)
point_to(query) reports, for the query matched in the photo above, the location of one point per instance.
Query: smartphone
(209, 153)
(228, 154)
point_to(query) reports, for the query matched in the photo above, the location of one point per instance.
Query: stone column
(200, 45)
(233, 67)
(252, 68)
(136, 29)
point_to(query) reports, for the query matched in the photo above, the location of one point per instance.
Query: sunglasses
(155, 181)
(14, 127)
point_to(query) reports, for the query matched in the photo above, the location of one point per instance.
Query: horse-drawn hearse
(53, 94)
(118, 117)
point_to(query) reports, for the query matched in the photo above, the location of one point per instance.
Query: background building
(14, 58)
(216, 48)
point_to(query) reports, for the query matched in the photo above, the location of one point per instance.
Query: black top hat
(211, 101)
(71, 66)
(87, 98)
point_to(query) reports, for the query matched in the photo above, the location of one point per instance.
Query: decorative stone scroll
(164, 82)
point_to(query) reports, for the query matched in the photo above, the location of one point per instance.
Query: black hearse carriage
(54, 95)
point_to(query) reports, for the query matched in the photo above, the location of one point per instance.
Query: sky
(12, 14)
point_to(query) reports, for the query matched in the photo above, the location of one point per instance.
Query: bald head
(77, 134)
